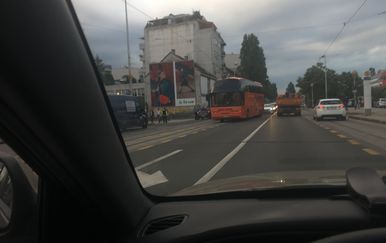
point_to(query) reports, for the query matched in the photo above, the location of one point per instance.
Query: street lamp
(234, 72)
(128, 50)
(312, 95)
(354, 75)
(325, 74)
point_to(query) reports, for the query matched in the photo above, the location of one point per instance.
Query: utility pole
(354, 75)
(325, 75)
(312, 95)
(234, 72)
(128, 50)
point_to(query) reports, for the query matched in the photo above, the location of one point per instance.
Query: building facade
(232, 61)
(122, 86)
(190, 36)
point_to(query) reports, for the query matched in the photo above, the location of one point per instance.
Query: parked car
(330, 108)
(129, 111)
(381, 103)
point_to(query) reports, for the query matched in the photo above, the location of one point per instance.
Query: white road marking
(229, 156)
(148, 180)
(370, 151)
(158, 159)
(352, 141)
(146, 147)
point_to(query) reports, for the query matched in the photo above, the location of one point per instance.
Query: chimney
(186, 58)
(174, 51)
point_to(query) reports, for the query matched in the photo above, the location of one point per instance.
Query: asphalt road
(171, 157)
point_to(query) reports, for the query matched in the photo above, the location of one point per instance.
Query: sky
(292, 33)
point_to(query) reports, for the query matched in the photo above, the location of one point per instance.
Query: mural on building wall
(172, 84)
(162, 84)
(185, 83)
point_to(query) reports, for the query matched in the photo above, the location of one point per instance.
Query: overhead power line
(139, 10)
(343, 27)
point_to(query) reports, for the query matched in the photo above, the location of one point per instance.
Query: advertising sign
(172, 84)
(184, 83)
(162, 84)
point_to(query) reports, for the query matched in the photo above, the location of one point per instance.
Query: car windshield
(293, 91)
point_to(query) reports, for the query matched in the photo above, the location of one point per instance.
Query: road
(171, 157)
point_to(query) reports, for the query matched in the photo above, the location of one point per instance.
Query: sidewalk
(378, 115)
(171, 121)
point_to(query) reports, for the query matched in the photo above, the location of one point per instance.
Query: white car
(330, 108)
(270, 108)
(381, 103)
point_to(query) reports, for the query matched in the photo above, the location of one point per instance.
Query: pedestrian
(158, 113)
(165, 115)
(152, 116)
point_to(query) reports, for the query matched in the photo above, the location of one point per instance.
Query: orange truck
(289, 104)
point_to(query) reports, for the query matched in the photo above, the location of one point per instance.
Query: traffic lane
(293, 144)
(166, 144)
(368, 134)
(150, 140)
(200, 152)
(136, 133)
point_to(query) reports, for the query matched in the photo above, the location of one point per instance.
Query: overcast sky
(293, 33)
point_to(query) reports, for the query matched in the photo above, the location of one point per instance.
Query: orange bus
(236, 98)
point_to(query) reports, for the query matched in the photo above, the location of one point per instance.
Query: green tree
(126, 78)
(291, 88)
(252, 60)
(252, 64)
(105, 73)
(339, 85)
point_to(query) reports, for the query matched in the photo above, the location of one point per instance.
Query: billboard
(184, 83)
(162, 84)
(172, 84)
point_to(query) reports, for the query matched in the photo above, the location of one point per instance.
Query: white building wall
(162, 39)
(208, 50)
(203, 46)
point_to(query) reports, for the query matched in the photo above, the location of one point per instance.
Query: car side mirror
(18, 202)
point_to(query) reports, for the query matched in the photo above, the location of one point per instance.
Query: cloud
(293, 33)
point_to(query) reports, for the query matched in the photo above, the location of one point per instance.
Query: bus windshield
(227, 99)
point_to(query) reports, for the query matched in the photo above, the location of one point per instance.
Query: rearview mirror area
(18, 202)
(6, 196)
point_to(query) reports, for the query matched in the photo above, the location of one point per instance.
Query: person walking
(164, 116)
(152, 116)
(158, 115)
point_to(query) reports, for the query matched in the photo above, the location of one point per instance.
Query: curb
(367, 119)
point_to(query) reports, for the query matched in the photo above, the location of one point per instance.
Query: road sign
(354, 91)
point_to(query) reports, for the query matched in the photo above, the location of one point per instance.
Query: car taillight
(341, 106)
(320, 106)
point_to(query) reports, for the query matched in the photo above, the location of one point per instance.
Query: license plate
(331, 108)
